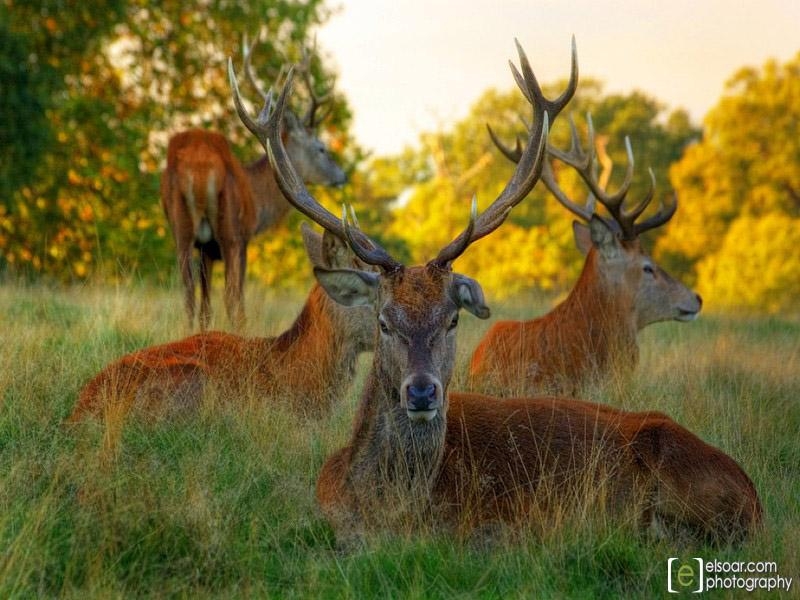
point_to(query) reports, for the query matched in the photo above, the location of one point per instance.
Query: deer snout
(689, 310)
(422, 397)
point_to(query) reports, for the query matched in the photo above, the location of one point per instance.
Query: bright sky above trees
(411, 66)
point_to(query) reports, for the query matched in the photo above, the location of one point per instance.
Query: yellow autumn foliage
(516, 260)
(757, 268)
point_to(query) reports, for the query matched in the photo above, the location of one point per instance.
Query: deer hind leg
(698, 488)
(185, 268)
(180, 222)
(206, 270)
(171, 390)
(235, 264)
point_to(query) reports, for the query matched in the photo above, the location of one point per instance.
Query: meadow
(222, 505)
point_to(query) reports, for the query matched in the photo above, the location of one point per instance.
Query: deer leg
(206, 267)
(185, 268)
(697, 485)
(234, 258)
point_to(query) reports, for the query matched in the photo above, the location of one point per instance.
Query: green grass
(222, 505)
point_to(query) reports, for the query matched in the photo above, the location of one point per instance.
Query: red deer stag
(591, 335)
(307, 367)
(214, 204)
(468, 460)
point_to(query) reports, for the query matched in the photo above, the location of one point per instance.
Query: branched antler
(266, 127)
(585, 161)
(311, 118)
(529, 161)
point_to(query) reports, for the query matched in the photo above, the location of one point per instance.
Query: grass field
(221, 505)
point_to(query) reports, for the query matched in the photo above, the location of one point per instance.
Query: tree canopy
(90, 96)
(736, 230)
(93, 94)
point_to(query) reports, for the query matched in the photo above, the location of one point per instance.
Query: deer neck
(601, 315)
(388, 451)
(314, 360)
(270, 205)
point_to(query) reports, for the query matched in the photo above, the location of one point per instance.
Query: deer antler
(310, 119)
(529, 161)
(247, 55)
(585, 163)
(266, 127)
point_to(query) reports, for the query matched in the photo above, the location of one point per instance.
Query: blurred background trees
(89, 97)
(737, 231)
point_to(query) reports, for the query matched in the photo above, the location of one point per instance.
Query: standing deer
(216, 206)
(591, 335)
(465, 460)
(308, 366)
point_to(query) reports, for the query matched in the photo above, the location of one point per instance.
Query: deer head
(611, 243)
(416, 308)
(310, 156)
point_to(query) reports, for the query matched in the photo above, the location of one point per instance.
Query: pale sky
(408, 66)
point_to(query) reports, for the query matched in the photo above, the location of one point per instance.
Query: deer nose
(699, 300)
(421, 397)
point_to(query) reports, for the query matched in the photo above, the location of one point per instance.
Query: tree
(113, 80)
(745, 169)
(535, 248)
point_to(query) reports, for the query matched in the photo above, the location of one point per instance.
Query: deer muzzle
(421, 397)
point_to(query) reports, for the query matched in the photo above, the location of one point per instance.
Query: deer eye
(384, 327)
(649, 270)
(453, 323)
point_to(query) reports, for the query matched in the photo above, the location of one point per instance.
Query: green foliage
(745, 168)
(23, 127)
(757, 267)
(104, 86)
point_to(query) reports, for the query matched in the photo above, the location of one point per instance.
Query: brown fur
(576, 342)
(249, 202)
(308, 366)
(193, 157)
(480, 460)
(587, 339)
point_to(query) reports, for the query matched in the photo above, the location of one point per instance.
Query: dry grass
(221, 504)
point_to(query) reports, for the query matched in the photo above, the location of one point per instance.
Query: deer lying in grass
(591, 335)
(307, 367)
(214, 204)
(467, 460)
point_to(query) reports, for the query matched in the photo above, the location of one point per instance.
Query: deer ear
(467, 294)
(335, 252)
(349, 287)
(604, 238)
(314, 244)
(583, 239)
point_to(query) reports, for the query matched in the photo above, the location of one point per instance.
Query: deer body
(308, 366)
(419, 453)
(591, 336)
(482, 460)
(522, 459)
(216, 206)
(208, 202)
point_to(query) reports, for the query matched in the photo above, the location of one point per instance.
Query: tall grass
(222, 504)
